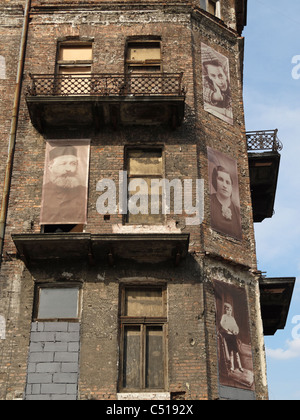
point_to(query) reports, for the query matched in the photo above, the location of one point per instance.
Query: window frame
(145, 148)
(40, 286)
(143, 323)
(146, 64)
(72, 63)
(48, 229)
(217, 8)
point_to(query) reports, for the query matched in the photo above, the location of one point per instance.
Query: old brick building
(128, 254)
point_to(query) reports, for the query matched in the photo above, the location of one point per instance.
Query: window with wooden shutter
(143, 57)
(74, 58)
(145, 165)
(74, 61)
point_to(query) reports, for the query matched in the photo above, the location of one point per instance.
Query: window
(62, 228)
(74, 60)
(143, 67)
(57, 303)
(213, 7)
(145, 170)
(143, 332)
(143, 56)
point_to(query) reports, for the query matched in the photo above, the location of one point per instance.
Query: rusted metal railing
(265, 140)
(142, 84)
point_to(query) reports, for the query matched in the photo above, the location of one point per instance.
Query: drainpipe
(13, 128)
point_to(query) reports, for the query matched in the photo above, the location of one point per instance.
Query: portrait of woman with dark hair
(224, 197)
(216, 84)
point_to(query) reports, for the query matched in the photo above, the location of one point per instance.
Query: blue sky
(271, 99)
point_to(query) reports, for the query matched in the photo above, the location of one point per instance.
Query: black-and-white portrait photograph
(224, 194)
(216, 84)
(234, 340)
(65, 187)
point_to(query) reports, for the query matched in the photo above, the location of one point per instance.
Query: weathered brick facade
(191, 351)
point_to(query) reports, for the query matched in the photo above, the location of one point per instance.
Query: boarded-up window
(213, 7)
(74, 60)
(154, 358)
(143, 331)
(77, 52)
(143, 302)
(57, 303)
(145, 171)
(143, 56)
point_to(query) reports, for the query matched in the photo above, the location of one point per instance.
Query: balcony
(264, 160)
(275, 299)
(60, 102)
(36, 249)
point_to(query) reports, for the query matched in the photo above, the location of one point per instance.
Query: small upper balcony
(264, 160)
(275, 300)
(90, 101)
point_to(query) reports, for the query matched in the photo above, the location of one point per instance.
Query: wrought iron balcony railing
(105, 85)
(266, 140)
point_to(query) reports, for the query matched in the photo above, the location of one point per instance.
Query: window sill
(143, 395)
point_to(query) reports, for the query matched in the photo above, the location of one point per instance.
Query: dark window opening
(61, 228)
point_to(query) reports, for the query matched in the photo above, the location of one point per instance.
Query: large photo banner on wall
(216, 84)
(65, 186)
(234, 340)
(224, 194)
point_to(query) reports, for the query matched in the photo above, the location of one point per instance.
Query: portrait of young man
(224, 194)
(216, 84)
(65, 186)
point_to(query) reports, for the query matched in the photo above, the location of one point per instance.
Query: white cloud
(291, 352)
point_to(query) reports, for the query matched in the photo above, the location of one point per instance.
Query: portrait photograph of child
(234, 339)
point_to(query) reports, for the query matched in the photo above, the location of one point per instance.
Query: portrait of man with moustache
(65, 185)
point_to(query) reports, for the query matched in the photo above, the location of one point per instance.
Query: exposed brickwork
(192, 367)
(11, 19)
